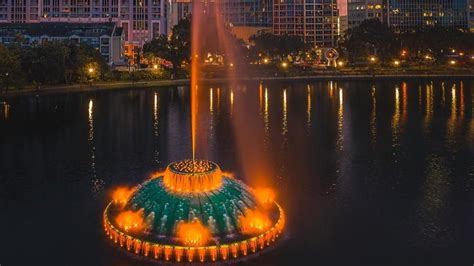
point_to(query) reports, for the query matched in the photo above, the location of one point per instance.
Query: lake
(369, 172)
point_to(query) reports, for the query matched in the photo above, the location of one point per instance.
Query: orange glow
(195, 50)
(201, 180)
(254, 222)
(193, 234)
(121, 195)
(265, 195)
(130, 221)
(156, 174)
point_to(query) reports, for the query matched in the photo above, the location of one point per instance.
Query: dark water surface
(369, 173)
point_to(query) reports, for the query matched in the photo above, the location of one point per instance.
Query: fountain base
(214, 218)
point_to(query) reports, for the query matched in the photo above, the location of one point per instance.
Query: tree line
(49, 63)
(430, 45)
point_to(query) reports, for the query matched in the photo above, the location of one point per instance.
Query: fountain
(193, 211)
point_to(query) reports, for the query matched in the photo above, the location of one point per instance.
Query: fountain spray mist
(195, 50)
(210, 34)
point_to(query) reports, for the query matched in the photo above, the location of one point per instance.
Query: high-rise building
(471, 15)
(314, 20)
(360, 10)
(141, 20)
(245, 17)
(410, 14)
(177, 10)
(343, 25)
(254, 13)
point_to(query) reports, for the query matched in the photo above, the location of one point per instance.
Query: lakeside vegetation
(371, 48)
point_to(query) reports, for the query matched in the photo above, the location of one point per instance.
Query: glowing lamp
(193, 234)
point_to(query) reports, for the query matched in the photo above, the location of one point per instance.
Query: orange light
(265, 195)
(121, 195)
(193, 233)
(195, 177)
(254, 222)
(130, 221)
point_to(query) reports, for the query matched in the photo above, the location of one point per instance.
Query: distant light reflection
(428, 107)
(155, 126)
(97, 183)
(218, 99)
(373, 118)
(211, 100)
(308, 108)
(452, 121)
(266, 120)
(396, 117)
(6, 110)
(285, 117)
(231, 102)
(340, 121)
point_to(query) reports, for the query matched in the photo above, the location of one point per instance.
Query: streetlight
(396, 63)
(452, 62)
(372, 59)
(91, 70)
(265, 60)
(231, 65)
(284, 64)
(340, 63)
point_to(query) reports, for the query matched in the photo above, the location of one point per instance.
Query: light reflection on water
(156, 122)
(308, 108)
(389, 163)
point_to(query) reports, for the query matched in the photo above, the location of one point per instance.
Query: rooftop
(58, 29)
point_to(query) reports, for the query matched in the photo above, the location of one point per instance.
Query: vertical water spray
(195, 49)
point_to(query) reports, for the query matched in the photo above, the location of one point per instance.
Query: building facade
(409, 14)
(471, 15)
(253, 13)
(360, 10)
(141, 20)
(314, 20)
(176, 11)
(106, 37)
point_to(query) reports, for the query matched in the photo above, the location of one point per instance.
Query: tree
(281, 46)
(435, 43)
(80, 59)
(10, 68)
(371, 38)
(175, 49)
(46, 63)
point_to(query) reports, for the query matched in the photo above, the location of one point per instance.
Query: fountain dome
(193, 211)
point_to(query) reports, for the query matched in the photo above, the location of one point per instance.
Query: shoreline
(116, 85)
